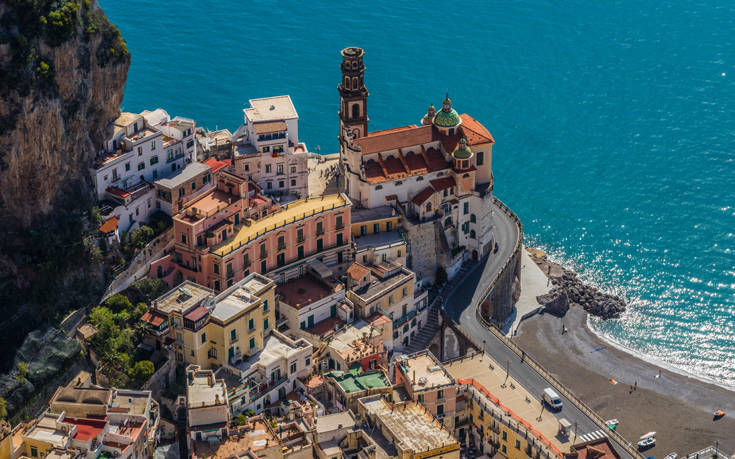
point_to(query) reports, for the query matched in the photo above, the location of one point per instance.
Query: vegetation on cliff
(63, 68)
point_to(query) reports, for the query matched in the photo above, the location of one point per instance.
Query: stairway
(427, 332)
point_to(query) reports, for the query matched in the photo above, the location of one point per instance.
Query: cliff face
(63, 68)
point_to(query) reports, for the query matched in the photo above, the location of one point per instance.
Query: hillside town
(293, 305)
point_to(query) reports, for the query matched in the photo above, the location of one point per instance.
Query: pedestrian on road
(635, 386)
(523, 355)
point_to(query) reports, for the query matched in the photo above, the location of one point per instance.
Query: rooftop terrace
(351, 383)
(290, 213)
(183, 175)
(412, 427)
(424, 371)
(303, 291)
(181, 298)
(271, 109)
(240, 297)
(203, 389)
(382, 286)
(255, 437)
(376, 213)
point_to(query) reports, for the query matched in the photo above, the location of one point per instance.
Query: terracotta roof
(423, 196)
(443, 183)
(217, 164)
(393, 166)
(357, 271)
(594, 449)
(109, 226)
(415, 162)
(197, 313)
(117, 191)
(388, 131)
(373, 172)
(269, 127)
(153, 318)
(394, 139)
(475, 132)
(377, 319)
(435, 160)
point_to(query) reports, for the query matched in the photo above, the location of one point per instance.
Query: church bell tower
(353, 94)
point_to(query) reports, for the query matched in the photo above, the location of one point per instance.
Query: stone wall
(450, 341)
(422, 249)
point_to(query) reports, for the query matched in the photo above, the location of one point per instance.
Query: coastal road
(461, 306)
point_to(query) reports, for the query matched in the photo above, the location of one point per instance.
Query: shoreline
(652, 359)
(677, 405)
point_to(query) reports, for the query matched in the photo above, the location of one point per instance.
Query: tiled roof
(357, 271)
(217, 164)
(415, 162)
(394, 166)
(117, 191)
(395, 139)
(475, 132)
(197, 313)
(436, 161)
(423, 196)
(153, 318)
(109, 226)
(373, 172)
(443, 183)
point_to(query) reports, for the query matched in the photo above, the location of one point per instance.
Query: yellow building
(376, 220)
(46, 433)
(6, 440)
(209, 330)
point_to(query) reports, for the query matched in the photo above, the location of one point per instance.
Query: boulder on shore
(555, 302)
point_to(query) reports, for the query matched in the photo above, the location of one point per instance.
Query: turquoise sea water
(613, 121)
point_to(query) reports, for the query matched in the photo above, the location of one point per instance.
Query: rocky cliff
(63, 68)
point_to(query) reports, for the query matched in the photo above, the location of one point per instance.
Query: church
(436, 172)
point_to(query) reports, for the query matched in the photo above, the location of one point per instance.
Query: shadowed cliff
(63, 68)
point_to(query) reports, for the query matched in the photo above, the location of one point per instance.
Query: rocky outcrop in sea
(569, 291)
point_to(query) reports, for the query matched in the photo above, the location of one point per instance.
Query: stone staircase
(427, 332)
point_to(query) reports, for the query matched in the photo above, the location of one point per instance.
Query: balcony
(174, 158)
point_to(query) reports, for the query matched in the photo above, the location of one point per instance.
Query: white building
(266, 147)
(144, 147)
(268, 375)
(207, 407)
(306, 301)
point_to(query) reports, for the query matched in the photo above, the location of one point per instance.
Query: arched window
(354, 65)
(355, 110)
(473, 219)
(354, 83)
(347, 82)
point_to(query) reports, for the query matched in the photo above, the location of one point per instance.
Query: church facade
(439, 170)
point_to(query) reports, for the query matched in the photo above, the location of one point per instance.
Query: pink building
(233, 230)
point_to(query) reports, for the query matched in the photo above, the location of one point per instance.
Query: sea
(614, 125)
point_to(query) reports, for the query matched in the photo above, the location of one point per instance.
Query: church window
(347, 82)
(354, 65)
(451, 131)
(355, 110)
(354, 83)
(479, 158)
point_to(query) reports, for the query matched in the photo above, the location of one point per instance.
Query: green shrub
(3, 408)
(60, 23)
(118, 303)
(141, 372)
(160, 222)
(141, 236)
(241, 420)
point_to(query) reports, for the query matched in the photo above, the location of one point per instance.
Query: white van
(552, 398)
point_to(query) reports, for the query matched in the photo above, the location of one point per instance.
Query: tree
(22, 371)
(241, 420)
(118, 303)
(138, 312)
(104, 319)
(141, 236)
(159, 221)
(146, 290)
(141, 372)
(3, 408)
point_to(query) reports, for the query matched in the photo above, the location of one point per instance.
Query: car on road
(552, 399)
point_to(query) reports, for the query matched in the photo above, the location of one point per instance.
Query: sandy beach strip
(679, 408)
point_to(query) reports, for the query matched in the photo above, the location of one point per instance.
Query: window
(266, 150)
(153, 145)
(293, 367)
(204, 338)
(251, 324)
(440, 394)
(246, 259)
(307, 362)
(340, 239)
(269, 185)
(34, 451)
(390, 300)
(405, 292)
(479, 158)
(399, 254)
(319, 228)
(247, 167)
(440, 410)
(181, 192)
(505, 450)
(263, 266)
(518, 444)
(473, 235)
(303, 325)
(388, 226)
(252, 343)
(376, 227)
(140, 151)
(280, 184)
(141, 166)
(339, 225)
(263, 252)
(473, 218)
(216, 285)
(212, 354)
(279, 169)
(265, 324)
(265, 305)
(319, 244)
(293, 182)
(300, 235)
(267, 166)
(363, 230)
(228, 269)
(216, 268)
(355, 107)
(154, 160)
(193, 186)
(127, 166)
(466, 208)
(505, 436)
(281, 243)
(233, 334)
(421, 398)
(379, 187)
(183, 238)
(445, 193)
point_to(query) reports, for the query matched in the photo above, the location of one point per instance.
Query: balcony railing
(174, 158)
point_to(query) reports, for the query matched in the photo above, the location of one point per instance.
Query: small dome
(462, 151)
(429, 117)
(447, 117)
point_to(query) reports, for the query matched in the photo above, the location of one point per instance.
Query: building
(599, 448)
(207, 408)
(266, 148)
(230, 231)
(213, 330)
(412, 430)
(255, 439)
(427, 382)
(266, 376)
(438, 170)
(504, 415)
(359, 346)
(144, 147)
(330, 431)
(308, 300)
(47, 432)
(345, 388)
(174, 192)
(386, 287)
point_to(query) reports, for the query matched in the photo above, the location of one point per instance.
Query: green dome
(447, 118)
(462, 151)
